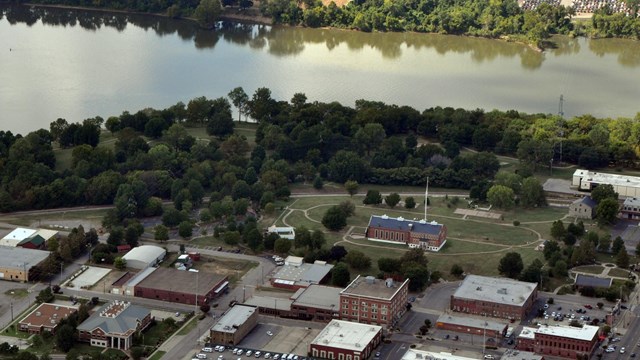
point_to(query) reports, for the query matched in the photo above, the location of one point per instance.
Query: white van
(201, 356)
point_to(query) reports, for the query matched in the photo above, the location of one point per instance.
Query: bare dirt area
(225, 266)
(340, 3)
(104, 284)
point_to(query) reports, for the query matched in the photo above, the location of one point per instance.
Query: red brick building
(495, 297)
(429, 236)
(114, 325)
(373, 301)
(561, 341)
(45, 318)
(179, 286)
(344, 340)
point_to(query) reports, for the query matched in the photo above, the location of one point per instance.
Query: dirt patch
(340, 3)
(231, 268)
(104, 284)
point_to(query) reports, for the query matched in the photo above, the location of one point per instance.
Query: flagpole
(426, 199)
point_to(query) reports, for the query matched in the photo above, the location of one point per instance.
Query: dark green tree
(207, 13)
(334, 219)
(456, 270)
(358, 260)
(65, 337)
(392, 200)
(409, 202)
(618, 244)
(373, 197)
(511, 265)
(340, 275)
(603, 191)
(606, 211)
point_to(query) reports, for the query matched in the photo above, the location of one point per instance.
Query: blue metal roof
(419, 226)
(592, 281)
(587, 200)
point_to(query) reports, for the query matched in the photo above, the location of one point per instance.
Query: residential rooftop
(181, 281)
(233, 318)
(318, 296)
(20, 258)
(468, 321)
(369, 286)
(497, 290)
(413, 354)
(347, 335)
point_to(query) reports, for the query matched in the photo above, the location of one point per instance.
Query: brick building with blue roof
(429, 236)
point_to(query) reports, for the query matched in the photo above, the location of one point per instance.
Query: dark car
(623, 307)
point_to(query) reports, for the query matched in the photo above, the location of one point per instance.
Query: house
(429, 236)
(630, 209)
(584, 208)
(114, 325)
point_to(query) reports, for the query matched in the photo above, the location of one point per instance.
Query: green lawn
(13, 330)
(590, 269)
(17, 293)
(157, 355)
(209, 240)
(617, 272)
(158, 333)
(297, 219)
(191, 324)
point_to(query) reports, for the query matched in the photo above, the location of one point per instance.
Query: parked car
(588, 306)
(269, 333)
(622, 350)
(208, 349)
(488, 356)
(623, 307)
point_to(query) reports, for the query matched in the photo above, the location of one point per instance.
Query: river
(77, 64)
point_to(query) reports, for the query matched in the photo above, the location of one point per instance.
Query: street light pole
(12, 311)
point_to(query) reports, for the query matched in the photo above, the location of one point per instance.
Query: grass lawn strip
(589, 269)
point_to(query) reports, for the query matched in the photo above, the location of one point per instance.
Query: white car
(249, 352)
(207, 349)
(610, 350)
(488, 356)
(201, 356)
(622, 349)
(269, 333)
(267, 356)
(257, 354)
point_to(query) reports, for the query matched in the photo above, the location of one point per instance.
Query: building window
(345, 301)
(340, 356)
(354, 302)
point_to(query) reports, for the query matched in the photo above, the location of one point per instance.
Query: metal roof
(587, 200)
(497, 290)
(347, 335)
(305, 274)
(606, 178)
(319, 296)
(593, 281)
(468, 321)
(170, 279)
(145, 253)
(20, 258)
(126, 320)
(416, 226)
(413, 354)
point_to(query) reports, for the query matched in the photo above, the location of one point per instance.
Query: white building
(413, 354)
(345, 340)
(625, 186)
(285, 232)
(144, 256)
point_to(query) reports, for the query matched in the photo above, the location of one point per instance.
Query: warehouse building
(562, 341)
(496, 297)
(234, 325)
(373, 301)
(20, 264)
(344, 340)
(144, 256)
(625, 186)
(184, 287)
(28, 238)
(296, 274)
(429, 236)
(317, 303)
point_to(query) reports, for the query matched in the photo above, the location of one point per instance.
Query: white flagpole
(426, 197)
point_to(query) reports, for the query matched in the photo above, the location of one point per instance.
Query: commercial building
(234, 325)
(28, 238)
(373, 301)
(144, 256)
(296, 274)
(630, 209)
(625, 186)
(429, 236)
(316, 303)
(562, 341)
(19, 264)
(344, 340)
(413, 354)
(514, 354)
(285, 232)
(184, 287)
(583, 208)
(114, 325)
(271, 305)
(45, 318)
(496, 297)
(473, 326)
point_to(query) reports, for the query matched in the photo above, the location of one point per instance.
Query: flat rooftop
(512, 354)
(347, 335)
(413, 354)
(606, 178)
(305, 273)
(468, 321)
(586, 332)
(369, 286)
(497, 290)
(48, 315)
(269, 302)
(170, 279)
(320, 297)
(233, 318)
(19, 258)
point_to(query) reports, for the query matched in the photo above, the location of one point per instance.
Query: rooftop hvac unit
(370, 279)
(384, 216)
(389, 282)
(400, 218)
(38, 313)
